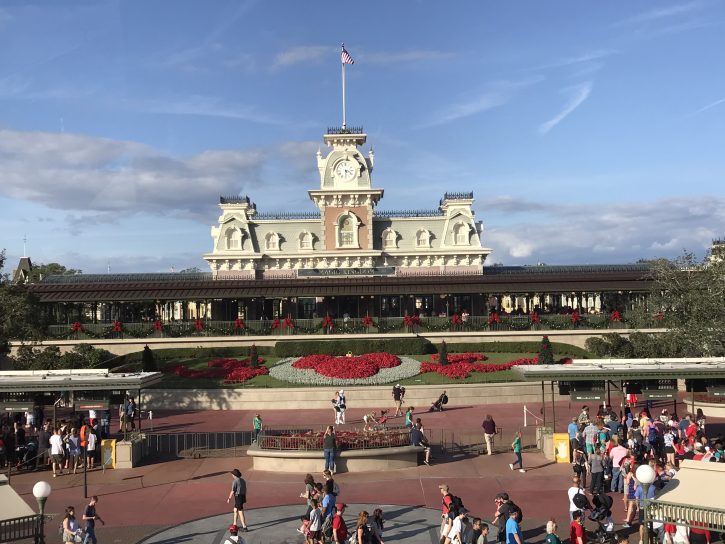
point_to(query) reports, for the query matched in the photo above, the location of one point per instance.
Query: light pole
(645, 476)
(41, 492)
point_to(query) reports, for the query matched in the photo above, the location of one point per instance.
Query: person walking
(596, 467)
(90, 516)
(551, 536)
(513, 529)
(362, 528)
(409, 416)
(56, 452)
(239, 494)
(234, 537)
(489, 432)
(257, 425)
(328, 447)
(91, 442)
(340, 407)
(398, 399)
(71, 531)
(339, 528)
(516, 447)
(376, 526)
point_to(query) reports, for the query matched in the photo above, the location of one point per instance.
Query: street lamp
(645, 476)
(41, 492)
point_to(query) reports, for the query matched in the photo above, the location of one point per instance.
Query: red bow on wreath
(493, 318)
(534, 317)
(288, 323)
(659, 317)
(456, 319)
(616, 316)
(410, 320)
(367, 321)
(327, 322)
(276, 324)
(76, 327)
(239, 324)
(198, 325)
(158, 325)
(117, 326)
(575, 317)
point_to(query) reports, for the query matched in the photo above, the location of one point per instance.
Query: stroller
(437, 406)
(26, 455)
(601, 514)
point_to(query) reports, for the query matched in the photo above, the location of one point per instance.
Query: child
(315, 527)
(305, 527)
(551, 537)
(409, 416)
(516, 446)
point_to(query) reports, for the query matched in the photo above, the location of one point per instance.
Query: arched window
(461, 234)
(271, 241)
(422, 238)
(390, 238)
(305, 240)
(347, 227)
(233, 238)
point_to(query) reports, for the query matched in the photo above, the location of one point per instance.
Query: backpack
(652, 435)
(444, 400)
(515, 508)
(456, 506)
(327, 527)
(580, 501)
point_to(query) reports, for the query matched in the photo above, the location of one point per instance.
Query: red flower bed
(231, 370)
(463, 368)
(461, 357)
(362, 366)
(346, 440)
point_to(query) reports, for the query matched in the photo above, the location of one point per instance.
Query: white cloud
(710, 105)
(399, 57)
(206, 106)
(96, 175)
(497, 94)
(659, 13)
(303, 54)
(608, 232)
(585, 58)
(579, 94)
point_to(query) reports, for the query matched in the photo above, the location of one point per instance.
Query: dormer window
(271, 241)
(461, 234)
(390, 239)
(305, 240)
(233, 239)
(347, 228)
(422, 238)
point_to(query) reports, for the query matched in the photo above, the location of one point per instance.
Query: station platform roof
(626, 369)
(25, 381)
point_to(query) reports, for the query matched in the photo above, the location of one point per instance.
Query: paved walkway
(409, 524)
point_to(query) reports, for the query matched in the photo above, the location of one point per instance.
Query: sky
(588, 132)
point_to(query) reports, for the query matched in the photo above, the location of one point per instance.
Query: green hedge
(162, 355)
(396, 346)
(515, 347)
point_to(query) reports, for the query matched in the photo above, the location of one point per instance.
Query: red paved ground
(144, 499)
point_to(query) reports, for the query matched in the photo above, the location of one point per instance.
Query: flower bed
(362, 366)
(230, 370)
(346, 440)
(327, 370)
(467, 363)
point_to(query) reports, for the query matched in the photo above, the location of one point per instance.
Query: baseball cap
(341, 506)
(233, 529)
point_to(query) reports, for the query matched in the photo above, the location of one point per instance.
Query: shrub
(148, 363)
(163, 355)
(597, 346)
(443, 354)
(253, 357)
(546, 352)
(516, 347)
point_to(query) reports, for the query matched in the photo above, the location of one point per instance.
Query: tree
(546, 352)
(20, 311)
(688, 296)
(148, 362)
(443, 353)
(41, 271)
(253, 357)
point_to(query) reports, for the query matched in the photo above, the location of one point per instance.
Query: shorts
(641, 515)
(316, 535)
(239, 501)
(669, 449)
(56, 458)
(590, 448)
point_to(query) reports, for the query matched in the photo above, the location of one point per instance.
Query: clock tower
(346, 198)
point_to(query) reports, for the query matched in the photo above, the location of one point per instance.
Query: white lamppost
(645, 476)
(41, 492)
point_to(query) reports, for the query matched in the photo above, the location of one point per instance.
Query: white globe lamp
(41, 492)
(645, 475)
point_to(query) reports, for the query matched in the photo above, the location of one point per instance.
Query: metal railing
(21, 528)
(196, 445)
(313, 326)
(688, 515)
(346, 441)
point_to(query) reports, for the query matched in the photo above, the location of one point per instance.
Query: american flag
(345, 57)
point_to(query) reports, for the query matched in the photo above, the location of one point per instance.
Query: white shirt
(92, 439)
(234, 540)
(456, 530)
(91, 414)
(56, 445)
(572, 493)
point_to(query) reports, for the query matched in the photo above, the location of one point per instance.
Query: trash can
(561, 447)
(108, 453)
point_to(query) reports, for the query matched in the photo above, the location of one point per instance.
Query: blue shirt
(613, 426)
(512, 528)
(639, 493)
(573, 428)
(328, 503)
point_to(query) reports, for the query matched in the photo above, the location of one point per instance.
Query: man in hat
(339, 529)
(398, 398)
(233, 537)
(239, 494)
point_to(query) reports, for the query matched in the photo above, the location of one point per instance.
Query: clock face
(345, 170)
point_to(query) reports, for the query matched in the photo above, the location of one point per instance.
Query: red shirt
(446, 503)
(576, 531)
(339, 524)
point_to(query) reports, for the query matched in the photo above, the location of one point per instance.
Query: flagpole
(343, 90)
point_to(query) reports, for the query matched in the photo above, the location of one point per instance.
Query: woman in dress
(70, 526)
(630, 501)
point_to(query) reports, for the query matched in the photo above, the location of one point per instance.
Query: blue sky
(589, 132)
